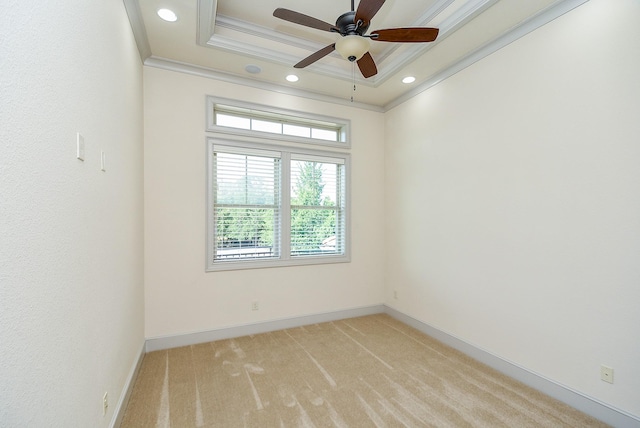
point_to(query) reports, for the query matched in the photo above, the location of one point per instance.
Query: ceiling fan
(352, 26)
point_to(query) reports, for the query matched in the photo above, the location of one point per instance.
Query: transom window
(275, 205)
(233, 117)
(274, 124)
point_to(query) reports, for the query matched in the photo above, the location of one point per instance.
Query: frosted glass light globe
(352, 47)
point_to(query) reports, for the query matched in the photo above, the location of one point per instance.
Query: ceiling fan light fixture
(408, 79)
(352, 47)
(292, 78)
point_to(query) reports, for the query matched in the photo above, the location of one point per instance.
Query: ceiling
(220, 38)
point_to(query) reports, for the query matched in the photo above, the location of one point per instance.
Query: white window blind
(317, 206)
(246, 204)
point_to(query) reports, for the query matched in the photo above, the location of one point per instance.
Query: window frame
(285, 258)
(343, 126)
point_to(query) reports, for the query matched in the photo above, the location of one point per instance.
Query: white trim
(180, 67)
(123, 401)
(206, 23)
(173, 341)
(464, 14)
(453, 23)
(527, 26)
(343, 124)
(422, 21)
(263, 33)
(325, 158)
(271, 55)
(137, 27)
(487, 49)
(589, 405)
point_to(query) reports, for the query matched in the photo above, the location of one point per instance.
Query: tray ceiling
(221, 38)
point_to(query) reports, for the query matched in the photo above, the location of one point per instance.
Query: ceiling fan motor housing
(348, 26)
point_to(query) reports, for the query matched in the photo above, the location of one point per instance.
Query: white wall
(180, 296)
(513, 202)
(71, 253)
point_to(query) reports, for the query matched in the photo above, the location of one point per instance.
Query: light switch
(80, 146)
(103, 165)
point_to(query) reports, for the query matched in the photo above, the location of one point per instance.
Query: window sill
(275, 263)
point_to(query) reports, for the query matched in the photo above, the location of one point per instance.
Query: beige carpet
(370, 371)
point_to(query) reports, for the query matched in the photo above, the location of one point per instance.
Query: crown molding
(422, 21)
(276, 56)
(137, 27)
(452, 23)
(180, 67)
(508, 37)
(449, 26)
(461, 16)
(206, 22)
(263, 32)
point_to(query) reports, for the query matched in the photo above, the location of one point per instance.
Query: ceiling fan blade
(405, 35)
(367, 10)
(367, 65)
(316, 56)
(302, 19)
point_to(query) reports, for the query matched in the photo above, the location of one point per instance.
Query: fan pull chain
(353, 79)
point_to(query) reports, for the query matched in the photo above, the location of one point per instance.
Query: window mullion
(340, 201)
(285, 224)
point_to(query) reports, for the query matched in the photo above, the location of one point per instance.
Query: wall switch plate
(80, 146)
(606, 374)
(105, 403)
(103, 161)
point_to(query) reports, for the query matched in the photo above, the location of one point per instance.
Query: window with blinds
(246, 203)
(275, 206)
(317, 206)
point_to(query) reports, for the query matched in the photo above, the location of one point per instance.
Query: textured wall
(71, 305)
(513, 202)
(180, 296)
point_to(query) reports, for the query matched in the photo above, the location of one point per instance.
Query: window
(237, 118)
(246, 203)
(317, 205)
(275, 206)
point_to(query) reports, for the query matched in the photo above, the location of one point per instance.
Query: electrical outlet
(105, 403)
(606, 374)
(255, 305)
(395, 294)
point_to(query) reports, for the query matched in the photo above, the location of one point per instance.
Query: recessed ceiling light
(292, 78)
(253, 69)
(167, 15)
(409, 79)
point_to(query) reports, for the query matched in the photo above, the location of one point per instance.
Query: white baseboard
(166, 342)
(121, 407)
(591, 406)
